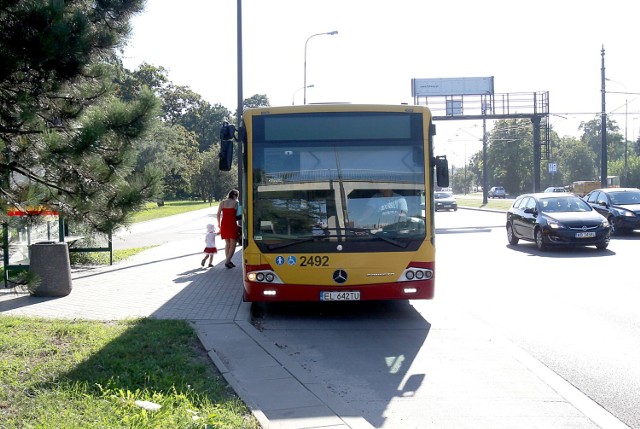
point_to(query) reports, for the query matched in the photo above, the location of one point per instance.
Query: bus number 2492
(314, 261)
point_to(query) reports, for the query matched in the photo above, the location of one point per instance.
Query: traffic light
(227, 135)
(226, 155)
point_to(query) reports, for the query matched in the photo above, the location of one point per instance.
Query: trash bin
(49, 261)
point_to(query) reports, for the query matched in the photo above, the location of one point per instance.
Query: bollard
(49, 261)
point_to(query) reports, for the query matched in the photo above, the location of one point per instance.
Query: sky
(528, 47)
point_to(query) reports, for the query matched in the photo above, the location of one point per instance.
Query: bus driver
(385, 207)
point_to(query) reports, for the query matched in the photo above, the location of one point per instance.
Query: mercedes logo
(340, 276)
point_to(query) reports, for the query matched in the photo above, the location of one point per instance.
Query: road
(166, 230)
(573, 310)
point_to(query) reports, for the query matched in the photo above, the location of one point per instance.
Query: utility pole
(603, 130)
(240, 99)
(484, 157)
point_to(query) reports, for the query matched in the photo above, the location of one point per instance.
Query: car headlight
(554, 224)
(626, 213)
(605, 223)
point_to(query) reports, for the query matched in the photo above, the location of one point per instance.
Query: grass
(80, 374)
(102, 258)
(170, 208)
(492, 204)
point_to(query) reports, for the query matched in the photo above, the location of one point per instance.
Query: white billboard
(452, 86)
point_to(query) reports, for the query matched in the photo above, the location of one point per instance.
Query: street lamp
(293, 100)
(330, 33)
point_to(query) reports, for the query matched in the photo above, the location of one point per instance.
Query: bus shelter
(33, 225)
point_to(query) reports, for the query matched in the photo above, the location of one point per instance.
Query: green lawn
(476, 202)
(59, 374)
(170, 208)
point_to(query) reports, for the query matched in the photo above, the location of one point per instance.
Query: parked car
(497, 192)
(445, 201)
(555, 189)
(556, 219)
(621, 207)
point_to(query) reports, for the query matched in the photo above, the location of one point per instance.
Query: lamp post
(330, 33)
(293, 100)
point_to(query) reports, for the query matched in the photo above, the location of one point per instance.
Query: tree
(576, 161)
(463, 180)
(131, 83)
(210, 183)
(510, 155)
(205, 120)
(591, 135)
(173, 151)
(65, 139)
(257, 100)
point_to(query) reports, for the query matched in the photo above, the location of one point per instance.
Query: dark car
(621, 207)
(445, 201)
(556, 219)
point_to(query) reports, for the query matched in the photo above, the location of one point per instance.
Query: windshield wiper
(359, 231)
(290, 243)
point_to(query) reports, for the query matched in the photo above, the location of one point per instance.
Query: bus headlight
(411, 274)
(263, 276)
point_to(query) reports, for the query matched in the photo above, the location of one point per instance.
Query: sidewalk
(167, 282)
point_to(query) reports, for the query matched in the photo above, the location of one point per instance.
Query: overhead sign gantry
(474, 98)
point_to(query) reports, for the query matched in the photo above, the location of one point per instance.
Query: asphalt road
(165, 230)
(574, 310)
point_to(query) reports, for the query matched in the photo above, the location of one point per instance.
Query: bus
(338, 202)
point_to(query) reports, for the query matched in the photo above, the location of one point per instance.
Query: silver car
(497, 192)
(445, 201)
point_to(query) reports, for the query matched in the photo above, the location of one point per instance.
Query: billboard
(452, 86)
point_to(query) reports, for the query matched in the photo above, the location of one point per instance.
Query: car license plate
(589, 234)
(340, 296)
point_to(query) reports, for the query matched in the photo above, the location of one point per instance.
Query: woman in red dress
(228, 225)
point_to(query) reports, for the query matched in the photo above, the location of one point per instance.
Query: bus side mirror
(442, 171)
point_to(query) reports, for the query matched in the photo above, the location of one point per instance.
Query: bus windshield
(359, 182)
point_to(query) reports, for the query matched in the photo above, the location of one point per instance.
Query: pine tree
(66, 140)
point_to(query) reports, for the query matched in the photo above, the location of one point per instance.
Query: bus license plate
(589, 234)
(340, 296)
